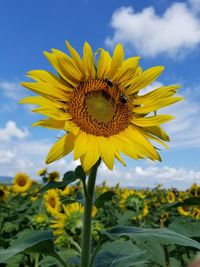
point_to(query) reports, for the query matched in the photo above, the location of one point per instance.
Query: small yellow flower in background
(184, 211)
(52, 201)
(193, 189)
(100, 106)
(170, 197)
(21, 183)
(196, 213)
(66, 192)
(182, 196)
(4, 193)
(40, 218)
(42, 172)
(164, 218)
(53, 176)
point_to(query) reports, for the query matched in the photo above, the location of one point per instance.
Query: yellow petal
(68, 66)
(53, 113)
(159, 93)
(47, 77)
(75, 56)
(146, 78)
(104, 64)
(118, 157)
(50, 123)
(117, 60)
(106, 151)
(137, 137)
(158, 104)
(40, 101)
(46, 90)
(70, 126)
(127, 70)
(152, 121)
(88, 61)
(61, 148)
(157, 131)
(58, 67)
(91, 156)
(80, 145)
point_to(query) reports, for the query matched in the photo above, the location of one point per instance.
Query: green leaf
(119, 254)
(50, 261)
(68, 178)
(79, 173)
(106, 196)
(31, 242)
(190, 229)
(162, 235)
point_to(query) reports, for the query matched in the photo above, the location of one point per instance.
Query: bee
(109, 82)
(123, 99)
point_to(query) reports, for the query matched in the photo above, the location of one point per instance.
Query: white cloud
(149, 176)
(12, 90)
(175, 32)
(11, 130)
(6, 156)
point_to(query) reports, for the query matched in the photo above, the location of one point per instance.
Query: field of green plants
(169, 221)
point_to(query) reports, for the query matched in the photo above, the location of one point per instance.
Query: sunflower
(71, 218)
(53, 176)
(184, 211)
(3, 193)
(170, 197)
(52, 201)
(100, 106)
(21, 183)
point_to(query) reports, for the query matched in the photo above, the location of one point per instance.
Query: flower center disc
(100, 109)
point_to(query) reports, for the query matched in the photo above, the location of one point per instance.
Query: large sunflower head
(21, 183)
(99, 105)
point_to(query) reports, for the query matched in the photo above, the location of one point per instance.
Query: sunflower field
(150, 227)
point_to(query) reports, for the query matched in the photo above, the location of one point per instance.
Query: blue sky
(162, 32)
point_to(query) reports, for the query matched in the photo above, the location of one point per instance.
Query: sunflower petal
(88, 61)
(50, 123)
(61, 148)
(80, 145)
(107, 151)
(117, 60)
(152, 121)
(104, 64)
(146, 78)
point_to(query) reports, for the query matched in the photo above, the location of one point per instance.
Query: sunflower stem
(87, 219)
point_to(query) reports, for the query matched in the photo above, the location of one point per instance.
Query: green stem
(86, 234)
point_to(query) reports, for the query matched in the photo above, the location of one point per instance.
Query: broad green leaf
(120, 254)
(106, 196)
(162, 235)
(50, 261)
(190, 229)
(31, 242)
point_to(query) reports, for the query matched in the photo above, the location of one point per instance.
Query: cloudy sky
(162, 32)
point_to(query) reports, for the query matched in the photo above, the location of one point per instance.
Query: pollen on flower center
(100, 106)
(99, 109)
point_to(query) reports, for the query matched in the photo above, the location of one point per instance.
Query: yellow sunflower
(52, 201)
(170, 197)
(100, 106)
(184, 211)
(70, 219)
(21, 183)
(3, 193)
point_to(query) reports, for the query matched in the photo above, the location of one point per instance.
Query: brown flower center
(21, 181)
(100, 107)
